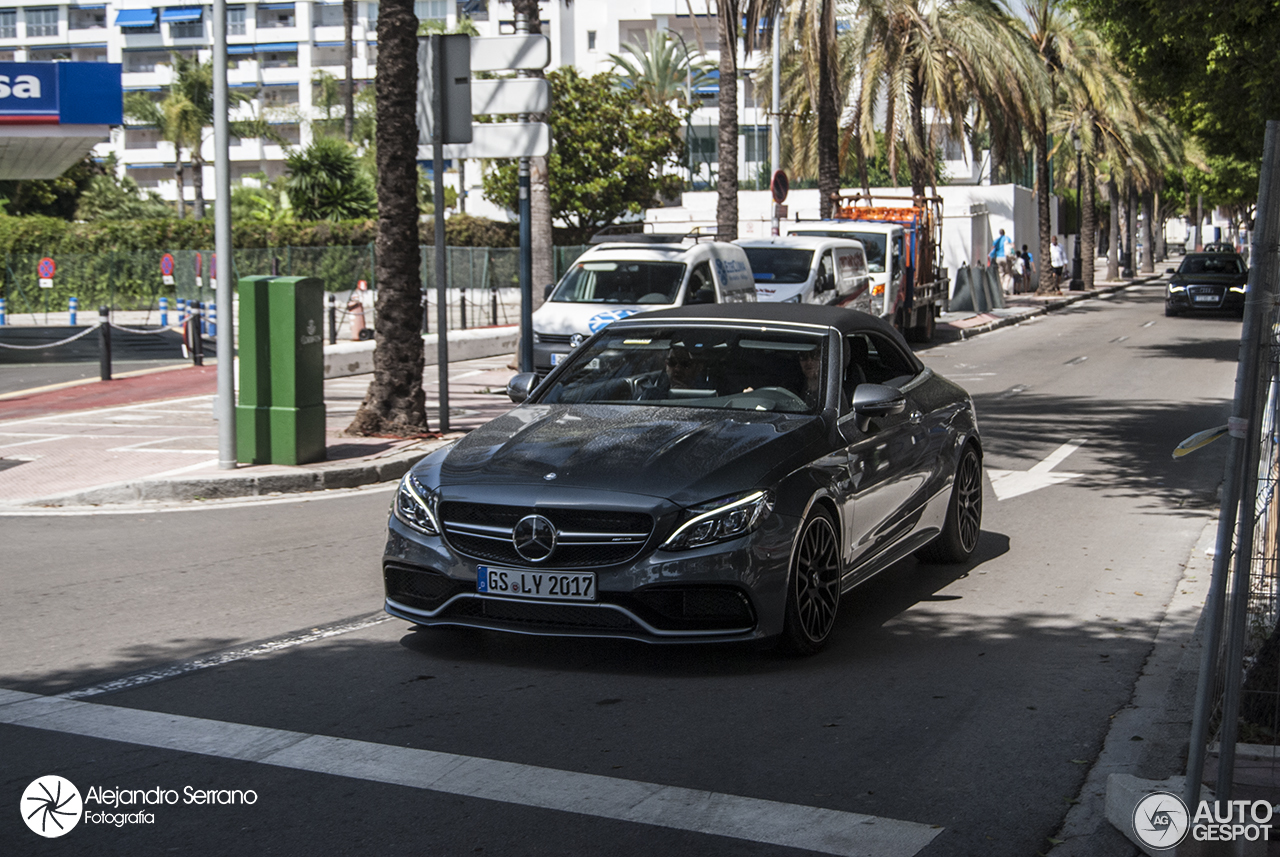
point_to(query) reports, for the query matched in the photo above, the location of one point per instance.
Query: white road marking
(39, 439)
(226, 657)
(1148, 324)
(1014, 483)
(186, 469)
(188, 506)
(788, 825)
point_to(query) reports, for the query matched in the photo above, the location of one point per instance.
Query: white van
(810, 270)
(614, 280)
(883, 244)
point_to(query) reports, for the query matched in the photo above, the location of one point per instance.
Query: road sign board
(45, 268)
(779, 185)
(455, 96)
(512, 95)
(166, 264)
(496, 53)
(500, 140)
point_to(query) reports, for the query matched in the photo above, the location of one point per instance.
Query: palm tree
(325, 182)
(348, 50)
(175, 119)
(961, 60)
(727, 12)
(660, 72)
(395, 403)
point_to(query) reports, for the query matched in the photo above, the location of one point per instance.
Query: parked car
(1207, 281)
(628, 274)
(700, 474)
(810, 270)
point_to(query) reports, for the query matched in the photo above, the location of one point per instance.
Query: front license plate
(554, 585)
(556, 358)
(1207, 299)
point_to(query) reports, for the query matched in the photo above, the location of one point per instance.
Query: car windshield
(1212, 265)
(621, 282)
(746, 369)
(779, 264)
(873, 242)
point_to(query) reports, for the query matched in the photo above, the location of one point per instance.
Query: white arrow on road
(1013, 483)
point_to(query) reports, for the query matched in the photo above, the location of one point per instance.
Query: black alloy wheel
(959, 536)
(813, 591)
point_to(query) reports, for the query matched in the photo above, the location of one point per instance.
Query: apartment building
(276, 50)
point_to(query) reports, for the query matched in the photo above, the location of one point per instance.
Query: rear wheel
(959, 536)
(813, 589)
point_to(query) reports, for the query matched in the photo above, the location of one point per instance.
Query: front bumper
(733, 591)
(1193, 298)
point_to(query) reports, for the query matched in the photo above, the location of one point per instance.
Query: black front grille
(554, 338)
(576, 551)
(687, 608)
(420, 588)
(544, 616)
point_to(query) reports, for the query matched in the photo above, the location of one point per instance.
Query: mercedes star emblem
(534, 538)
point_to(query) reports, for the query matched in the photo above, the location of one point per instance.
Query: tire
(963, 526)
(813, 586)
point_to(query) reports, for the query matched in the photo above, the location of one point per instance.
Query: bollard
(182, 311)
(72, 306)
(463, 308)
(104, 342)
(1, 310)
(197, 337)
(333, 318)
(164, 312)
(493, 306)
(212, 325)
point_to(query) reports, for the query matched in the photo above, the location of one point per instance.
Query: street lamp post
(1077, 274)
(688, 98)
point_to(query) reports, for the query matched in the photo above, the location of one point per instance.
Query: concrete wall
(356, 358)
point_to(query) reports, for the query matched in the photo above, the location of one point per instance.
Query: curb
(1021, 314)
(321, 477)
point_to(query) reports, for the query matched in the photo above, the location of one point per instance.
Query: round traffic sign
(779, 185)
(46, 268)
(166, 264)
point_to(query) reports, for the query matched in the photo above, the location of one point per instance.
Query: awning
(233, 50)
(92, 7)
(275, 6)
(136, 18)
(181, 14)
(277, 48)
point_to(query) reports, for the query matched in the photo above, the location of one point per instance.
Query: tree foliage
(109, 196)
(51, 197)
(609, 155)
(326, 183)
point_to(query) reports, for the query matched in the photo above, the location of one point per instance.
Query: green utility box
(280, 417)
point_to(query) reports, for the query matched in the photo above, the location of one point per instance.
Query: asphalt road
(956, 713)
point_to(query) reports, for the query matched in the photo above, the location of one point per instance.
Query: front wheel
(813, 589)
(959, 536)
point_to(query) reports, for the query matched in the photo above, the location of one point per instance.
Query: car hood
(1208, 279)
(565, 317)
(685, 455)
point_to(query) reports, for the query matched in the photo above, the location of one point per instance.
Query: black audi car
(709, 473)
(1207, 281)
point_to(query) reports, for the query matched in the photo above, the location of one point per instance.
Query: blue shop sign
(63, 93)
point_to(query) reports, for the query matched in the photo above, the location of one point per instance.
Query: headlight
(795, 299)
(1174, 287)
(413, 505)
(1239, 289)
(719, 520)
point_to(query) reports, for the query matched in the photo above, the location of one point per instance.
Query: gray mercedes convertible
(699, 474)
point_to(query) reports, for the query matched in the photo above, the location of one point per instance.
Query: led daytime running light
(409, 486)
(729, 521)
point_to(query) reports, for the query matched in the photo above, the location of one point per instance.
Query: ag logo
(1161, 820)
(51, 806)
(596, 322)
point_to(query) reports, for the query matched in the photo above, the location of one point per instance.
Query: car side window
(881, 361)
(827, 271)
(702, 289)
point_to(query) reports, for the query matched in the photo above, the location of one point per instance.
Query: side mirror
(520, 386)
(1171, 270)
(546, 290)
(876, 400)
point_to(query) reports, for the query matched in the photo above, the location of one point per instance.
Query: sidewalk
(152, 435)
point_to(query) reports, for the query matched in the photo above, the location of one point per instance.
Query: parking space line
(769, 822)
(39, 439)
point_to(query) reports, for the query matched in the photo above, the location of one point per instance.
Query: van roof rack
(626, 233)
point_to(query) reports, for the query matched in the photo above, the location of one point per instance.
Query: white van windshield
(779, 264)
(621, 282)
(872, 241)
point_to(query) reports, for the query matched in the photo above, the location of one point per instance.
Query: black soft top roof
(843, 320)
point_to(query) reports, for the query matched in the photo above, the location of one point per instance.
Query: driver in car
(683, 370)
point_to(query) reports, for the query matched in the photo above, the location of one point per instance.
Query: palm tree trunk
(727, 148)
(395, 403)
(1088, 223)
(1113, 244)
(178, 174)
(828, 112)
(918, 164)
(197, 182)
(1148, 245)
(1047, 284)
(348, 97)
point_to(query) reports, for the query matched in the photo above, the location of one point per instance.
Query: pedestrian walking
(1028, 270)
(1057, 260)
(1001, 256)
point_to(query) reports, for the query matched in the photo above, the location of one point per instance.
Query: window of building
(292, 134)
(279, 60)
(278, 95)
(90, 55)
(86, 19)
(591, 40)
(187, 29)
(371, 16)
(476, 10)
(42, 22)
(272, 15)
(8, 23)
(141, 138)
(51, 55)
(328, 15)
(235, 20)
(431, 10)
(144, 61)
(756, 139)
